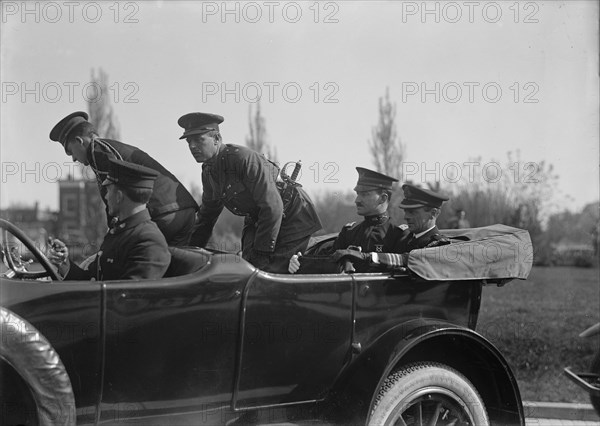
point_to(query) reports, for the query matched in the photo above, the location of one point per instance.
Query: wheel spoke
(401, 420)
(420, 413)
(435, 415)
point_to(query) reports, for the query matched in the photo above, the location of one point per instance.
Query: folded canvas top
(493, 252)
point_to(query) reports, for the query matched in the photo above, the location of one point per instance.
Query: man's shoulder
(351, 225)
(238, 150)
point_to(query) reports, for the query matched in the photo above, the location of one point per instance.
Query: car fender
(34, 359)
(426, 340)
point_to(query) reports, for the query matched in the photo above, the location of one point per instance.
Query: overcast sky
(469, 79)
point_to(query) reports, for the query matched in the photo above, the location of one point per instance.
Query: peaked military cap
(196, 123)
(415, 197)
(131, 175)
(60, 132)
(369, 180)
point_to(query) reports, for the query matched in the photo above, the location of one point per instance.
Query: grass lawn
(536, 325)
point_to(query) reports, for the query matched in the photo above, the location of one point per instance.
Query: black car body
(227, 341)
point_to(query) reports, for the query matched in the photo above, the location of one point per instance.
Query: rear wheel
(428, 394)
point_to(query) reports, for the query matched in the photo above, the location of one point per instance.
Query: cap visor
(195, 132)
(362, 188)
(410, 205)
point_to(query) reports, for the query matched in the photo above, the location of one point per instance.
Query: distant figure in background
(462, 220)
(171, 206)
(459, 221)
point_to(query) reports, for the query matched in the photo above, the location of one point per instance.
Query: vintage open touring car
(217, 341)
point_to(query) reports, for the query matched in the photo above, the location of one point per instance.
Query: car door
(170, 344)
(295, 338)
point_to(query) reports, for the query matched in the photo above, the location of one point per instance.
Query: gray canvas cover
(491, 252)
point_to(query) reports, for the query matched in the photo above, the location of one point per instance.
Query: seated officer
(421, 210)
(134, 248)
(375, 233)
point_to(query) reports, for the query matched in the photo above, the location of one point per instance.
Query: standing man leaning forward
(421, 210)
(375, 233)
(244, 181)
(134, 248)
(171, 206)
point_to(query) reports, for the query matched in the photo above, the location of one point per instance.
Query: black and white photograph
(311, 212)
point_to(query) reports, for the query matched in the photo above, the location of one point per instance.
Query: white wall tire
(428, 394)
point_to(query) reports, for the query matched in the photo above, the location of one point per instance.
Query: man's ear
(384, 198)
(120, 195)
(435, 212)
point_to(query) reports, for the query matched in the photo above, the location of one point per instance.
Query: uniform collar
(377, 219)
(213, 160)
(131, 221)
(420, 234)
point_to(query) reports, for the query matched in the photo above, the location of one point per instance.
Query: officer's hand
(352, 255)
(58, 255)
(294, 264)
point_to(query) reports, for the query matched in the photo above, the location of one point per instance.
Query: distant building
(81, 216)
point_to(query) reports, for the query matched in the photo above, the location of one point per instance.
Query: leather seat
(186, 260)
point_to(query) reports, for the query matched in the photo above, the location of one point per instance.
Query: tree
(387, 151)
(257, 140)
(518, 194)
(100, 108)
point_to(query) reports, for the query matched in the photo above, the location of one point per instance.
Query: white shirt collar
(420, 234)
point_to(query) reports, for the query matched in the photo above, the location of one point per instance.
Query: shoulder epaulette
(438, 240)
(403, 227)
(349, 225)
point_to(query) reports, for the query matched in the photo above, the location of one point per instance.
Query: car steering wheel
(14, 261)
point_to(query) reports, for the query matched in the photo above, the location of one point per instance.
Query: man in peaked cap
(134, 248)
(171, 206)
(421, 210)
(375, 233)
(244, 181)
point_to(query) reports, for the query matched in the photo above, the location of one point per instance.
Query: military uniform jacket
(169, 195)
(133, 249)
(374, 234)
(245, 182)
(431, 238)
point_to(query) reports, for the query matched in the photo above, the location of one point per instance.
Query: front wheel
(428, 394)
